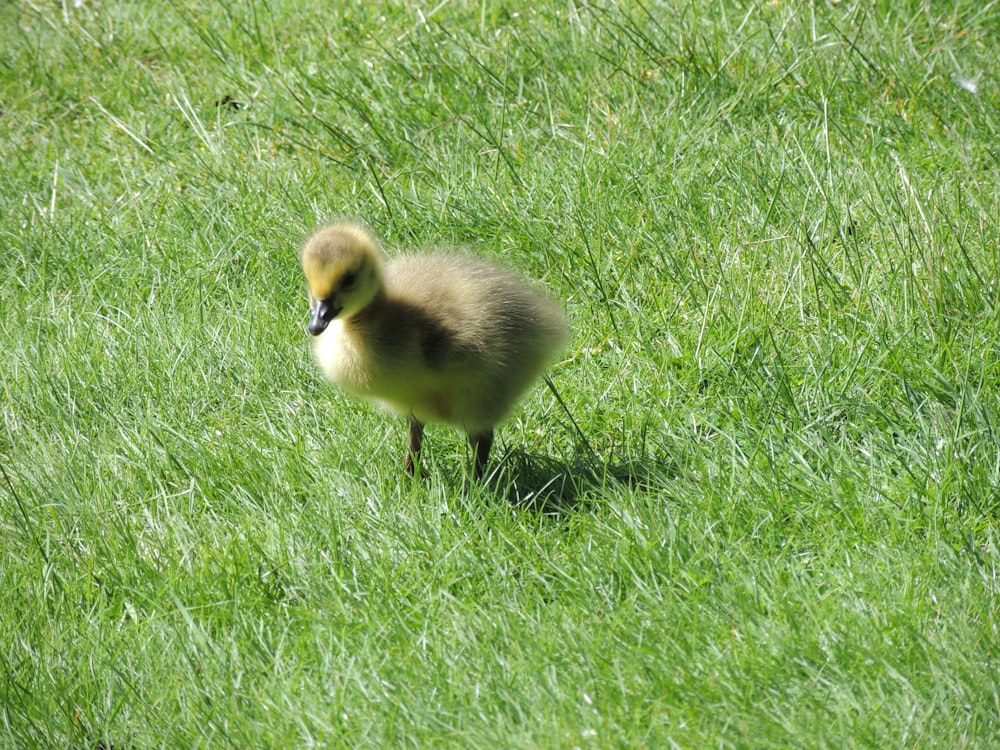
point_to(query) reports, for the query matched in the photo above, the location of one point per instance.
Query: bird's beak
(322, 314)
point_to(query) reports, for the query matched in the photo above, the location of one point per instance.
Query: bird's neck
(371, 312)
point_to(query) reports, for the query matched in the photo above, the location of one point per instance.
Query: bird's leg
(416, 438)
(481, 443)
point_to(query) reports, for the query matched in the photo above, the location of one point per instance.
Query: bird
(441, 336)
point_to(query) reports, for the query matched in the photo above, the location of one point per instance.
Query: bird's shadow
(551, 486)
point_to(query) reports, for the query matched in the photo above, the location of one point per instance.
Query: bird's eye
(349, 278)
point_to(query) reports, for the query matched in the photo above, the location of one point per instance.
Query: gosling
(441, 337)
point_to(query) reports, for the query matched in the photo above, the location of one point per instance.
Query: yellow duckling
(441, 337)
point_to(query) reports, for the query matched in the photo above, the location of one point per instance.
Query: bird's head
(343, 268)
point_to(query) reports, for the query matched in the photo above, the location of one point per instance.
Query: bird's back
(480, 333)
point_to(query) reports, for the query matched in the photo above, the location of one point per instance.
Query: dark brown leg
(481, 444)
(416, 438)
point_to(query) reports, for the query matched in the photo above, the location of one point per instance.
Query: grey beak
(322, 314)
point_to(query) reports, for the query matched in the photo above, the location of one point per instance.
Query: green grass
(775, 230)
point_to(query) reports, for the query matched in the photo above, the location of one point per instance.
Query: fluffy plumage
(439, 337)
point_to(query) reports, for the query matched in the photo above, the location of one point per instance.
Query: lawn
(759, 505)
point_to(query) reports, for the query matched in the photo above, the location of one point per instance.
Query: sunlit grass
(761, 510)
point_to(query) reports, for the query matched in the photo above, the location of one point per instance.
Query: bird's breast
(342, 358)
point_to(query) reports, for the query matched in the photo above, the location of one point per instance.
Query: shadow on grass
(551, 486)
